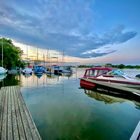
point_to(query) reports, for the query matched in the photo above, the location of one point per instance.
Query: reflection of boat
(13, 71)
(39, 74)
(103, 97)
(109, 78)
(27, 75)
(67, 74)
(2, 70)
(2, 76)
(49, 72)
(27, 71)
(111, 98)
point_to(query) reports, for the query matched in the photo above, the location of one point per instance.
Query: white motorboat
(108, 76)
(27, 71)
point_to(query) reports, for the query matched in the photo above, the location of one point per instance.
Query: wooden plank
(136, 133)
(32, 126)
(4, 121)
(18, 116)
(10, 133)
(23, 116)
(14, 118)
(2, 100)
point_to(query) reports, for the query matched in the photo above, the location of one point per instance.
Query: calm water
(63, 111)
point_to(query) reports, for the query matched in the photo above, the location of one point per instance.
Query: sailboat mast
(63, 60)
(27, 52)
(2, 52)
(37, 54)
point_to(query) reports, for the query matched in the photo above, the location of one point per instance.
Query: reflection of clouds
(63, 114)
(63, 111)
(102, 97)
(65, 119)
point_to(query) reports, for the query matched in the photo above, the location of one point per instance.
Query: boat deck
(16, 122)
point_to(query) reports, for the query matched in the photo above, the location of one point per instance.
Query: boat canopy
(96, 71)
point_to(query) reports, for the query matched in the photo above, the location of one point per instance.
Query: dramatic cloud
(98, 52)
(63, 25)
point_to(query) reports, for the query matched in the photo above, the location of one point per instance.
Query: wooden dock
(136, 133)
(16, 122)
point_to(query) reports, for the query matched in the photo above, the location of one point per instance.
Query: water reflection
(10, 80)
(27, 75)
(42, 80)
(62, 111)
(65, 118)
(108, 99)
(2, 76)
(102, 97)
(39, 75)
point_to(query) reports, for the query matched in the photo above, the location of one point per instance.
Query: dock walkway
(136, 133)
(16, 122)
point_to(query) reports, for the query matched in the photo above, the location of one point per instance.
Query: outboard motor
(138, 76)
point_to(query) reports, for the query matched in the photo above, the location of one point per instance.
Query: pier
(136, 133)
(16, 122)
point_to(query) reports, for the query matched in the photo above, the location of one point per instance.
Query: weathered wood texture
(16, 122)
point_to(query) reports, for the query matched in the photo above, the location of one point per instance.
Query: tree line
(120, 66)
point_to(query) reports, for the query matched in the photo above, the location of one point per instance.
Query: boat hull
(109, 87)
(87, 84)
(128, 84)
(92, 83)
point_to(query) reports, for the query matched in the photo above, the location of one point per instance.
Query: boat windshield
(118, 73)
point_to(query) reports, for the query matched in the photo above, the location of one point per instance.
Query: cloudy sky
(98, 31)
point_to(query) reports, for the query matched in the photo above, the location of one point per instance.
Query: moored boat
(109, 76)
(39, 70)
(27, 71)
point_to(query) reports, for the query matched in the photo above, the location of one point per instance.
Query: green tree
(121, 66)
(11, 54)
